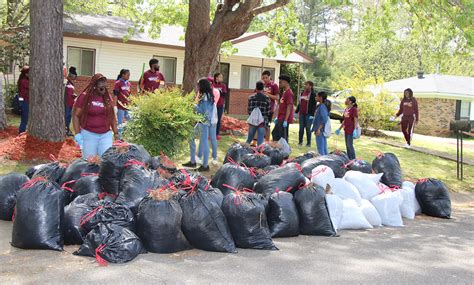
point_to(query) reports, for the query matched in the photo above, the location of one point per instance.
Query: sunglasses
(101, 88)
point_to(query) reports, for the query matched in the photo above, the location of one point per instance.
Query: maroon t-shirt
(409, 109)
(286, 99)
(123, 88)
(223, 90)
(24, 91)
(304, 100)
(70, 94)
(97, 116)
(272, 88)
(349, 119)
(152, 80)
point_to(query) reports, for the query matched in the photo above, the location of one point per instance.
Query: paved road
(426, 250)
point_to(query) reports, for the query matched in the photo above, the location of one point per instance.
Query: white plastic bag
(388, 206)
(285, 147)
(409, 207)
(345, 190)
(371, 213)
(365, 183)
(352, 217)
(322, 176)
(408, 184)
(335, 208)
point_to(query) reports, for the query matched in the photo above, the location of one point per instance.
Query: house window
(168, 68)
(465, 110)
(83, 59)
(252, 74)
(224, 68)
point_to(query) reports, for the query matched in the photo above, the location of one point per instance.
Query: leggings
(407, 129)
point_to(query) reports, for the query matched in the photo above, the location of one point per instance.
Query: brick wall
(435, 116)
(238, 101)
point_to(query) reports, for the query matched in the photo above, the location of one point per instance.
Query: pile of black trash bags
(127, 202)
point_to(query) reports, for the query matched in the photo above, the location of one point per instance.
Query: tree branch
(264, 9)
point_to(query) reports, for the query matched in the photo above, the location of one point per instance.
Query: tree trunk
(3, 115)
(46, 118)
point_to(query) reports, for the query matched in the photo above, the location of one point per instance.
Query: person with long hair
(122, 91)
(220, 85)
(204, 107)
(305, 110)
(70, 97)
(349, 123)
(410, 116)
(94, 120)
(23, 86)
(321, 117)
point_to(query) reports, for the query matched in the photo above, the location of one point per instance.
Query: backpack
(256, 117)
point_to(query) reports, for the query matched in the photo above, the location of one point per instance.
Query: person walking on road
(410, 116)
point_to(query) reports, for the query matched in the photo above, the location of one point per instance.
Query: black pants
(279, 132)
(350, 146)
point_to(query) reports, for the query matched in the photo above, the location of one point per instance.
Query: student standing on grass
(306, 108)
(349, 123)
(409, 111)
(285, 110)
(321, 117)
(69, 96)
(23, 85)
(220, 85)
(152, 78)
(122, 92)
(204, 107)
(94, 118)
(262, 103)
(272, 91)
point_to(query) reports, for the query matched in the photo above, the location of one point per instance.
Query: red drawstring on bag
(134, 162)
(101, 261)
(102, 195)
(87, 217)
(89, 174)
(32, 182)
(67, 188)
(348, 164)
(422, 180)
(297, 165)
(322, 170)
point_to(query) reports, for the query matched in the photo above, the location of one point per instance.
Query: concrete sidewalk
(425, 251)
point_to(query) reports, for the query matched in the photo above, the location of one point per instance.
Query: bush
(162, 121)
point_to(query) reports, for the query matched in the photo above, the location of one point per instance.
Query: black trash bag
(433, 197)
(256, 160)
(282, 215)
(76, 169)
(246, 216)
(335, 162)
(32, 170)
(52, 171)
(204, 223)
(159, 223)
(9, 186)
(313, 211)
(234, 176)
(236, 153)
(87, 184)
(155, 162)
(271, 167)
(359, 165)
(388, 164)
(302, 158)
(39, 211)
(136, 181)
(79, 207)
(277, 156)
(108, 213)
(110, 243)
(146, 157)
(287, 178)
(112, 164)
(342, 154)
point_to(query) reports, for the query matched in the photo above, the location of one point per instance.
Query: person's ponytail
(353, 100)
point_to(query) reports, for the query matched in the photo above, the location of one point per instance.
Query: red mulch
(25, 147)
(231, 124)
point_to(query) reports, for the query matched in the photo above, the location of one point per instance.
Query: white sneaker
(198, 160)
(214, 162)
(407, 146)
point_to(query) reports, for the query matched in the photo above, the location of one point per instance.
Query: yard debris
(232, 125)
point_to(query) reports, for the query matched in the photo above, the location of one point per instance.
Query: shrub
(163, 121)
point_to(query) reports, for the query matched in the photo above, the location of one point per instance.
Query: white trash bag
(322, 176)
(352, 217)
(365, 183)
(388, 206)
(371, 213)
(335, 208)
(345, 190)
(410, 206)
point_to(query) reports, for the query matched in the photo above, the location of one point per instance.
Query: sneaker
(203, 168)
(190, 164)
(308, 145)
(198, 160)
(407, 146)
(214, 162)
(69, 133)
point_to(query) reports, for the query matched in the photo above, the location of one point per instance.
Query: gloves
(285, 124)
(392, 118)
(338, 132)
(275, 121)
(311, 118)
(354, 134)
(78, 139)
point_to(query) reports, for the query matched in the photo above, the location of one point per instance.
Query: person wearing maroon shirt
(23, 85)
(70, 96)
(349, 123)
(152, 78)
(219, 85)
(409, 111)
(272, 91)
(285, 110)
(122, 91)
(305, 110)
(94, 118)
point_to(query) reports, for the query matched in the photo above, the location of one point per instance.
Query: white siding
(110, 57)
(254, 47)
(472, 111)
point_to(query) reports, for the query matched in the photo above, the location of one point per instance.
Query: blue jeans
(220, 113)
(95, 144)
(213, 135)
(121, 114)
(322, 144)
(350, 146)
(305, 125)
(204, 130)
(260, 134)
(68, 118)
(25, 110)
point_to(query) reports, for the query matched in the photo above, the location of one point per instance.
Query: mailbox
(460, 125)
